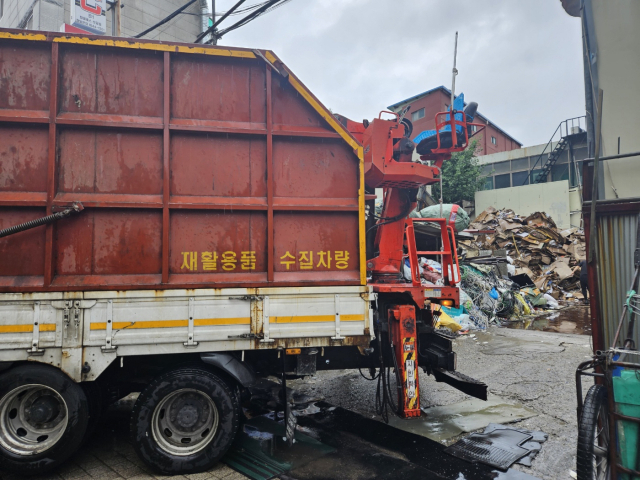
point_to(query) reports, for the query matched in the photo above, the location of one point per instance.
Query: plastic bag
(453, 213)
(551, 302)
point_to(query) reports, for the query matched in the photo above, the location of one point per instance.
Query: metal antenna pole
(454, 72)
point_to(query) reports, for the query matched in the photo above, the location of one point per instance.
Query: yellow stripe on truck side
(27, 328)
(203, 322)
(200, 322)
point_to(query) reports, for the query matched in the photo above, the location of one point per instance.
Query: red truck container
(195, 167)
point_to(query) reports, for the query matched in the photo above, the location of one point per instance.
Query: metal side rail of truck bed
(82, 333)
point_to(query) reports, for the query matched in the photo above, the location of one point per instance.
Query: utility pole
(116, 17)
(214, 39)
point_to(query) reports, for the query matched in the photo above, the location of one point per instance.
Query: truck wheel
(593, 436)
(43, 418)
(184, 421)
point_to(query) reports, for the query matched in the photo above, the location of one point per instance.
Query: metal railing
(565, 128)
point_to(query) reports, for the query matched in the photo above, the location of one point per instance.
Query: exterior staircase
(554, 148)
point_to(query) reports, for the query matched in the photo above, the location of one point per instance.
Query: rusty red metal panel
(110, 242)
(314, 168)
(212, 242)
(218, 166)
(23, 159)
(171, 154)
(227, 90)
(314, 242)
(22, 254)
(112, 82)
(99, 161)
(289, 108)
(24, 76)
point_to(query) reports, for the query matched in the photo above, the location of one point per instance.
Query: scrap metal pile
(516, 265)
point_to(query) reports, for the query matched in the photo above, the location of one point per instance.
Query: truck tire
(43, 418)
(593, 436)
(184, 421)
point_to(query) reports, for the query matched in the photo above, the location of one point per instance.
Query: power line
(166, 19)
(212, 28)
(267, 7)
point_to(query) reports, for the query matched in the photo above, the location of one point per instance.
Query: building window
(417, 115)
(534, 176)
(488, 183)
(520, 178)
(502, 167)
(520, 164)
(487, 170)
(559, 172)
(503, 181)
(474, 128)
(494, 140)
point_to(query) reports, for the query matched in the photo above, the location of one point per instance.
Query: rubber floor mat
(499, 448)
(534, 445)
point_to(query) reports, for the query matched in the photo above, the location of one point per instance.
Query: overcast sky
(519, 59)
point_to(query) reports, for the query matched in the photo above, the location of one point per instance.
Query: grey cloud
(519, 59)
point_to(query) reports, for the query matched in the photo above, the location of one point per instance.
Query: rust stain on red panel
(218, 242)
(216, 165)
(98, 161)
(127, 242)
(23, 159)
(74, 245)
(25, 76)
(218, 89)
(100, 81)
(21, 254)
(314, 168)
(316, 241)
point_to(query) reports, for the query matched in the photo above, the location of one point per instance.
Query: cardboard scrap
(550, 256)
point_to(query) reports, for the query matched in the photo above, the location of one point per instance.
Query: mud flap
(463, 383)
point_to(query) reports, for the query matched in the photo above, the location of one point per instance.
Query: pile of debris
(531, 245)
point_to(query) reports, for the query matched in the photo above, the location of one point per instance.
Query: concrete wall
(137, 16)
(551, 198)
(615, 41)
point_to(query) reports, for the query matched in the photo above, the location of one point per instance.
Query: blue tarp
(458, 104)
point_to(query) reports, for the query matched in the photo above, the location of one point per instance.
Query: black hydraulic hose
(41, 221)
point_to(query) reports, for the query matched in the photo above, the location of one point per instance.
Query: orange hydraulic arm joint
(388, 164)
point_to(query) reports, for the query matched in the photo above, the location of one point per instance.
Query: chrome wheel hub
(33, 418)
(184, 422)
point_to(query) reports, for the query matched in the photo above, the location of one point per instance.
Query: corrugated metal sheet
(616, 245)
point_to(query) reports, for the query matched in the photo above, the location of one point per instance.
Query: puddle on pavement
(446, 422)
(496, 344)
(574, 319)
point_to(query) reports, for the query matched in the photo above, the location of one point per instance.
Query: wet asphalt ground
(526, 370)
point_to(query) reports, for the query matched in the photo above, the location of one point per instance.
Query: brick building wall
(137, 16)
(438, 100)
